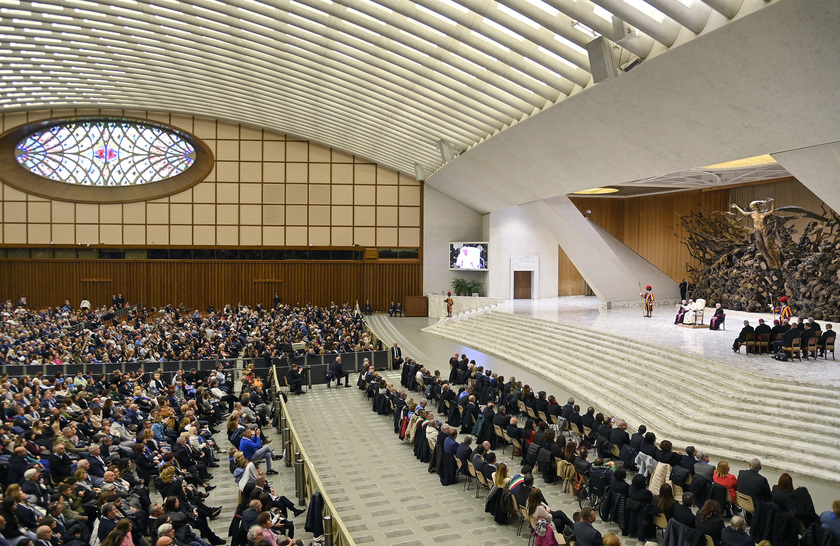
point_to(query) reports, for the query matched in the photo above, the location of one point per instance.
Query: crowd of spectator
(60, 335)
(635, 476)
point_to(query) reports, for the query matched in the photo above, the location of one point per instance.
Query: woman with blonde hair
(500, 476)
(724, 478)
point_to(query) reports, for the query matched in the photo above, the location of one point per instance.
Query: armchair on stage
(694, 314)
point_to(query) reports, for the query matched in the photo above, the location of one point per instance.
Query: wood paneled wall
(647, 225)
(198, 284)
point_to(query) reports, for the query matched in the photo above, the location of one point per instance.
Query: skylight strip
(565, 41)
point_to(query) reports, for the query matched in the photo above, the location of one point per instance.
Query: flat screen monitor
(468, 256)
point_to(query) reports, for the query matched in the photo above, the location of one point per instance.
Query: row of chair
(761, 344)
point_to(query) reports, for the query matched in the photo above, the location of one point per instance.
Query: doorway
(522, 285)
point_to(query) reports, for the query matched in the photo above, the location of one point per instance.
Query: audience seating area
(733, 414)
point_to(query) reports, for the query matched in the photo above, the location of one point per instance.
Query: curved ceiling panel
(385, 80)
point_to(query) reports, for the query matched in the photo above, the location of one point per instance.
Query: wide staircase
(729, 413)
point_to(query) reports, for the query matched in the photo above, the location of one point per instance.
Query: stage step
(725, 411)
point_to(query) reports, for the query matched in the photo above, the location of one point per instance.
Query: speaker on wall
(601, 62)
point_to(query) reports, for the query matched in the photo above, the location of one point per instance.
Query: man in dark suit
(463, 453)
(97, 465)
(186, 460)
(751, 483)
(470, 415)
(688, 461)
(683, 512)
(513, 429)
(368, 308)
(762, 328)
(338, 372)
(567, 410)
(829, 334)
(60, 463)
(618, 435)
(787, 339)
(747, 329)
(446, 393)
(295, 379)
(585, 533)
(637, 439)
(703, 468)
(396, 357)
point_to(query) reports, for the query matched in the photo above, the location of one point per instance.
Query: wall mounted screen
(468, 256)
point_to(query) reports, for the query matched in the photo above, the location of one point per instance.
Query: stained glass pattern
(105, 153)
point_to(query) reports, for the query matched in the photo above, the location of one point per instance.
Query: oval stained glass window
(105, 153)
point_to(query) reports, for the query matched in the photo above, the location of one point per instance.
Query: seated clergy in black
(747, 329)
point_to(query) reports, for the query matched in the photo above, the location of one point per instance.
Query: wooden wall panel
(649, 225)
(198, 284)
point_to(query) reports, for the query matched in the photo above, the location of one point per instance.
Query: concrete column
(613, 271)
(816, 167)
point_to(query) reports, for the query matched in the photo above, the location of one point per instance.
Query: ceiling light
(746, 162)
(596, 191)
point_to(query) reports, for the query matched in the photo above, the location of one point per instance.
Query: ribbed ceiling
(383, 80)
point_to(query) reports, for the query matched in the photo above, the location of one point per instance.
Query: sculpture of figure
(764, 241)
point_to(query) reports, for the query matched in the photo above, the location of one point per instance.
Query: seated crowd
(64, 335)
(488, 412)
(780, 337)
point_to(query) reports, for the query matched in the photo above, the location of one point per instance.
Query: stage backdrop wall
(198, 284)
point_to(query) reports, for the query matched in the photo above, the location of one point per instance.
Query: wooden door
(522, 285)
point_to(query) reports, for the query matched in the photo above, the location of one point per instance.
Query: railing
(306, 479)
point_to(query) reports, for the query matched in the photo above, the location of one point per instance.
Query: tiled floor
(382, 492)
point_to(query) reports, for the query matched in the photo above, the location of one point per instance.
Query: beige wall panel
(65, 234)
(318, 153)
(250, 214)
(110, 234)
(364, 236)
(386, 216)
(319, 173)
(410, 216)
(342, 174)
(14, 212)
(364, 216)
(39, 211)
(296, 215)
(227, 171)
(212, 176)
(274, 236)
(227, 130)
(410, 196)
(250, 193)
(185, 196)
(406, 180)
(204, 235)
(319, 195)
(180, 235)
(102, 111)
(64, 212)
(204, 192)
(39, 234)
(227, 150)
(274, 173)
(157, 235)
(250, 133)
(227, 193)
(162, 117)
(386, 195)
(182, 122)
(44, 114)
(250, 172)
(269, 135)
(164, 200)
(342, 195)
(250, 235)
(14, 234)
(297, 152)
(342, 236)
(249, 151)
(227, 214)
(274, 151)
(211, 145)
(319, 216)
(205, 128)
(342, 216)
(385, 176)
(296, 194)
(135, 235)
(319, 236)
(157, 213)
(204, 214)
(297, 173)
(36, 199)
(274, 215)
(87, 234)
(180, 214)
(274, 193)
(130, 113)
(13, 120)
(227, 235)
(11, 194)
(341, 157)
(296, 236)
(109, 214)
(365, 173)
(87, 213)
(133, 213)
(386, 237)
(409, 237)
(364, 195)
